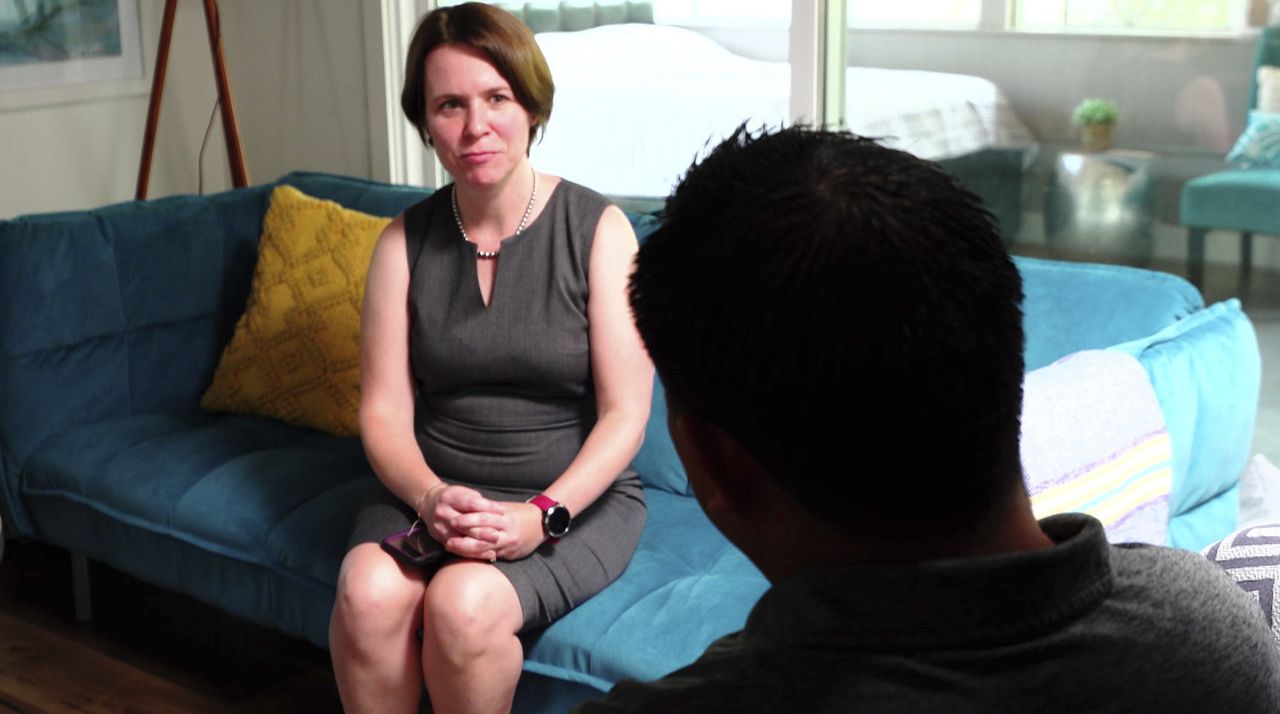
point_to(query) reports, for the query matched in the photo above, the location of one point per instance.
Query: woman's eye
(498, 98)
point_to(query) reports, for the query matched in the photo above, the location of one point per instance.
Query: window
(720, 12)
(945, 14)
(1170, 16)
(1084, 16)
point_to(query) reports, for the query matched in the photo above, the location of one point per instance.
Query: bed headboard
(574, 15)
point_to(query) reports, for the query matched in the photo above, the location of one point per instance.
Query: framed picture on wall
(47, 44)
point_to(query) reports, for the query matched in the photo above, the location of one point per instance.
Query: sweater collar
(942, 604)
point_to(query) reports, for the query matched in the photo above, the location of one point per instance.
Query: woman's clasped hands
(471, 526)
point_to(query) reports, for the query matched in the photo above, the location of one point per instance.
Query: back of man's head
(848, 314)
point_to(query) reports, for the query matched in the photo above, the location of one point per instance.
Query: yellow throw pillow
(295, 354)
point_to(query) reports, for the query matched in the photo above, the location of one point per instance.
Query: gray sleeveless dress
(504, 393)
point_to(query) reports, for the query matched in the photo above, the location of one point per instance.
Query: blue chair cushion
(1236, 199)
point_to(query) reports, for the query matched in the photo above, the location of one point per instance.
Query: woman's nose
(477, 119)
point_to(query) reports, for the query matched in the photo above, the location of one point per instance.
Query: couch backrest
(125, 309)
(1070, 307)
(379, 199)
(115, 311)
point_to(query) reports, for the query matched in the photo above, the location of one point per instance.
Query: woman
(504, 390)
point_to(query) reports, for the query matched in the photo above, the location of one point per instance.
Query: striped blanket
(1094, 441)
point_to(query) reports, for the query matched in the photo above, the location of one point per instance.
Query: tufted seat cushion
(685, 586)
(199, 491)
(280, 499)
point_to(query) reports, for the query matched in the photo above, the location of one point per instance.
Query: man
(839, 330)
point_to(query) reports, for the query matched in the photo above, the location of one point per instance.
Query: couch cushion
(685, 587)
(248, 488)
(657, 461)
(1207, 373)
(114, 311)
(266, 494)
(295, 355)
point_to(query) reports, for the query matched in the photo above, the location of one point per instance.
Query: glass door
(1079, 121)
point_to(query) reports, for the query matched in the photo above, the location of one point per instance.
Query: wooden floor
(146, 650)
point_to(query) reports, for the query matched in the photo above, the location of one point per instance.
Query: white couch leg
(80, 586)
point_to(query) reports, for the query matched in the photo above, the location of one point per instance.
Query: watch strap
(546, 504)
(543, 501)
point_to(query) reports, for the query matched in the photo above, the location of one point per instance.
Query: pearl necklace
(490, 254)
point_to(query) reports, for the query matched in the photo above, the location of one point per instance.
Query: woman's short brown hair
(502, 37)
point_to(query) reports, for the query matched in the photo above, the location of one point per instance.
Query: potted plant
(1095, 118)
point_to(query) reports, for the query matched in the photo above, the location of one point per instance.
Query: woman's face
(479, 131)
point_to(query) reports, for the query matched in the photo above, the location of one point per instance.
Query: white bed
(635, 103)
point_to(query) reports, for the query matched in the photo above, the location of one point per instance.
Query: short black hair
(849, 314)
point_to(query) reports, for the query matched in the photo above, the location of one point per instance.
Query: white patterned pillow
(1252, 557)
(1259, 145)
(1269, 89)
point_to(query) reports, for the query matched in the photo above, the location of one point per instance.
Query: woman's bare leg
(372, 633)
(471, 657)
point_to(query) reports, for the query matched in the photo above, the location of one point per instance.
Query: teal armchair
(1246, 200)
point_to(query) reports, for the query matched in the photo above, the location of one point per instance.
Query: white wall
(82, 152)
(298, 72)
(297, 75)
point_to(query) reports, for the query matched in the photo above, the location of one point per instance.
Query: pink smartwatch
(555, 517)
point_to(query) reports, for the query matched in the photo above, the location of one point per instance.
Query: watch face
(556, 520)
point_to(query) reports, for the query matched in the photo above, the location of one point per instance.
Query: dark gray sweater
(1081, 627)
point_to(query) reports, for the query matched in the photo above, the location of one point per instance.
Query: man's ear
(722, 473)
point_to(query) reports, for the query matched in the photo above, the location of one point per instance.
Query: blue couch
(111, 324)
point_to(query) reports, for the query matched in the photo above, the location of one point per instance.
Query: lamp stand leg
(230, 130)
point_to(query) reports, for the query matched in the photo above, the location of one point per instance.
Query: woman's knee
(467, 608)
(375, 593)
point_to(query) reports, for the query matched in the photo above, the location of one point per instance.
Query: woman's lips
(478, 157)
